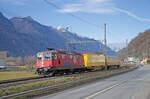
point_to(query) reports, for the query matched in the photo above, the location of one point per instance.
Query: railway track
(17, 80)
(14, 82)
(57, 86)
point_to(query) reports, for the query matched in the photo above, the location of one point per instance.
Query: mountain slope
(139, 46)
(9, 38)
(25, 37)
(36, 35)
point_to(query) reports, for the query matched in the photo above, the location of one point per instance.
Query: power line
(80, 19)
(72, 15)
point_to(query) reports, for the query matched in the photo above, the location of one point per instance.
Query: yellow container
(112, 61)
(94, 60)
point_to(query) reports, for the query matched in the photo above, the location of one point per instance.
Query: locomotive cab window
(47, 57)
(50, 57)
(39, 58)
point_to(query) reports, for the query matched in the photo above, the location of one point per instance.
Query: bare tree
(29, 60)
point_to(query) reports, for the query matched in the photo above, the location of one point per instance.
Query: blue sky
(124, 18)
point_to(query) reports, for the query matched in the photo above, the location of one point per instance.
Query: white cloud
(97, 6)
(85, 6)
(15, 2)
(89, 6)
(132, 15)
(71, 8)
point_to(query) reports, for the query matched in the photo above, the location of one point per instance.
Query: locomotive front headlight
(42, 63)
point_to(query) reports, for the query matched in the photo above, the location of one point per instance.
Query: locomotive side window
(77, 57)
(71, 57)
(63, 56)
(55, 56)
(74, 59)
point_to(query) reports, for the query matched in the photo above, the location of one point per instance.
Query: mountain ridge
(24, 36)
(139, 46)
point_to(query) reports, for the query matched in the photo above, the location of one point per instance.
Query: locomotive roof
(59, 51)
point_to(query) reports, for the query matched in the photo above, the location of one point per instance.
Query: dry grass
(30, 86)
(15, 75)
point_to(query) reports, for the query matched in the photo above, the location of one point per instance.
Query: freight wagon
(112, 62)
(97, 61)
(94, 61)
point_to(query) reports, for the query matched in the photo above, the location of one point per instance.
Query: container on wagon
(94, 60)
(113, 61)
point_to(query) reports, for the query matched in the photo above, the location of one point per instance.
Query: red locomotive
(52, 61)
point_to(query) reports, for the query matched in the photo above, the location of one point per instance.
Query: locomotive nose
(42, 62)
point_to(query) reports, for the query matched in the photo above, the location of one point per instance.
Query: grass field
(15, 75)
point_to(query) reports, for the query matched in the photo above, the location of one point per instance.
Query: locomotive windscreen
(49, 56)
(39, 57)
